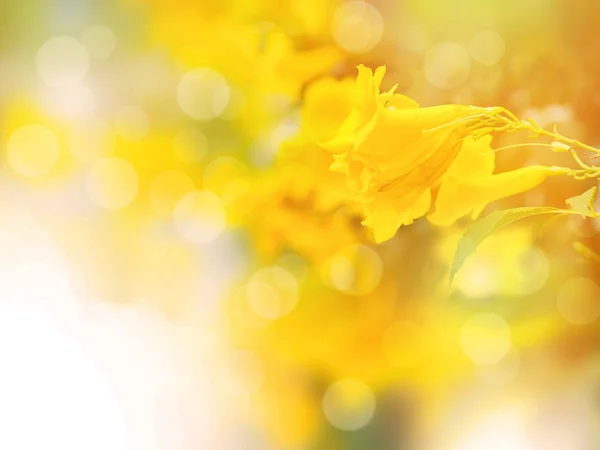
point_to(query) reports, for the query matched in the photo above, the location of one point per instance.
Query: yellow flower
(395, 155)
(296, 213)
(305, 207)
(469, 184)
(393, 152)
(326, 104)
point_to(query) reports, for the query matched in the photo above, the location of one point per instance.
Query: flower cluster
(403, 162)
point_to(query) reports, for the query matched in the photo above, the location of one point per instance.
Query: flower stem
(501, 119)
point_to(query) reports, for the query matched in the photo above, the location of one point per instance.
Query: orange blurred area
(180, 268)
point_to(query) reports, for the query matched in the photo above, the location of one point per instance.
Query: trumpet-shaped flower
(397, 156)
(469, 185)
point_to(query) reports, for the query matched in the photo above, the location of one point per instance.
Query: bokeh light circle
(132, 122)
(99, 40)
(485, 338)
(190, 145)
(227, 177)
(578, 301)
(357, 26)
(200, 217)
(447, 65)
(246, 314)
(354, 270)
(203, 94)
(478, 279)
(32, 151)
(530, 273)
(91, 139)
(264, 300)
(167, 188)
(272, 292)
(112, 183)
(503, 372)
(487, 48)
(74, 103)
(62, 62)
(349, 404)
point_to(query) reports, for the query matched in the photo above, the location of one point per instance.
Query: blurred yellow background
(175, 269)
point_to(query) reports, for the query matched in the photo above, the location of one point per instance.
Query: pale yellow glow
(33, 151)
(112, 183)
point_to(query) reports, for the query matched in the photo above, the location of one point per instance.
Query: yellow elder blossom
(397, 156)
(469, 184)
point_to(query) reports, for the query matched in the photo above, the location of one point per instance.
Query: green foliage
(582, 205)
(482, 228)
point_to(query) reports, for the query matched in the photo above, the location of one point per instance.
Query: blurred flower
(264, 62)
(301, 205)
(304, 206)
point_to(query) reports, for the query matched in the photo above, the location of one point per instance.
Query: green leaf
(584, 204)
(495, 221)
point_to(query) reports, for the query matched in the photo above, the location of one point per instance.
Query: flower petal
(384, 217)
(327, 104)
(458, 197)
